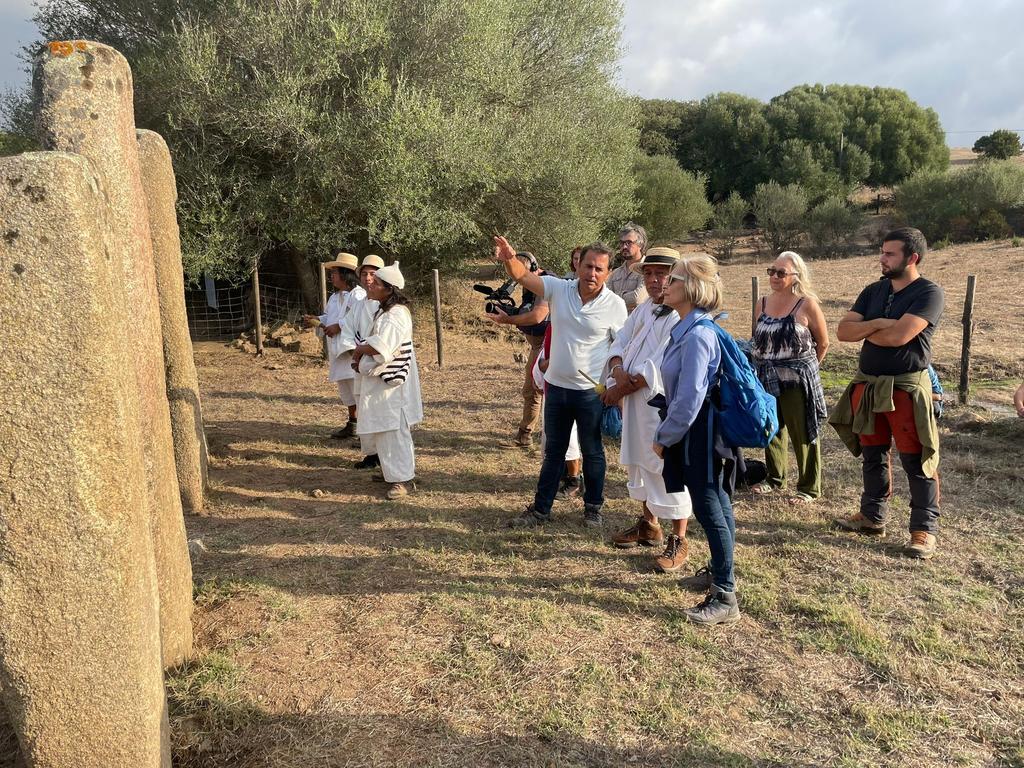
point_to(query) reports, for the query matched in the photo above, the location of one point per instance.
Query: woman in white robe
(634, 378)
(389, 394)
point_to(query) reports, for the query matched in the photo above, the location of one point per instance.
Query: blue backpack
(747, 414)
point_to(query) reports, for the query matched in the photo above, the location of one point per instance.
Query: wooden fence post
(965, 348)
(437, 318)
(323, 306)
(755, 292)
(259, 311)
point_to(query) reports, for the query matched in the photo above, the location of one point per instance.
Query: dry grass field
(338, 629)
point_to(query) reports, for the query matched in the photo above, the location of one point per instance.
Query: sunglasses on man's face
(778, 272)
(627, 243)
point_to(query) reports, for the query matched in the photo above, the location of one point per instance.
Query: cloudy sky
(962, 58)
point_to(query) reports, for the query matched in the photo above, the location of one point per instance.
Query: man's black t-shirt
(922, 298)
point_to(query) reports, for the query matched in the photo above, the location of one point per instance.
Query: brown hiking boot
(521, 440)
(921, 545)
(643, 532)
(675, 555)
(860, 524)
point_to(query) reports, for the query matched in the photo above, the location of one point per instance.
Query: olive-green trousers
(793, 426)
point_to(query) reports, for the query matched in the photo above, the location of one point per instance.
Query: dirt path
(347, 630)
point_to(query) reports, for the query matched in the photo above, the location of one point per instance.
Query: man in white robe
(347, 291)
(634, 378)
(358, 325)
(389, 395)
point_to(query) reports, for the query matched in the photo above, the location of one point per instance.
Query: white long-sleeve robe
(340, 307)
(382, 403)
(641, 343)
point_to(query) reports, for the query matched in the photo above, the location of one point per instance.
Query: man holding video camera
(531, 318)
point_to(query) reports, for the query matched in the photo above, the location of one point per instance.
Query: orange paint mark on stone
(80, 45)
(61, 48)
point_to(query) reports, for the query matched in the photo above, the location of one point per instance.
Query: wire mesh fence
(224, 311)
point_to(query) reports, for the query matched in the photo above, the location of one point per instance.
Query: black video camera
(499, 298)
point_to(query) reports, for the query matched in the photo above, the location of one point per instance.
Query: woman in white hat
(347, 293)
(389, 396)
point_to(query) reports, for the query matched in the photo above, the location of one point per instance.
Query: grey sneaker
(592, 517)
(699, 582)
(529, 518)
(717, 608)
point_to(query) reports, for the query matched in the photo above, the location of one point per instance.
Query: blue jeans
(562, 407)
(702, 474)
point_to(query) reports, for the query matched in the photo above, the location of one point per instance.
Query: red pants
(896, 425)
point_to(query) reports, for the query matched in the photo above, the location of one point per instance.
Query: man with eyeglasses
(625, 282)
(890, 397)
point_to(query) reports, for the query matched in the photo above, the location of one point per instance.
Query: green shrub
(952, 203)
(728, 225)
(831, 226)
(992, 225)
(780, 214)
(672, 201)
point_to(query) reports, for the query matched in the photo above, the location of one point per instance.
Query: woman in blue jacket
(688, 437)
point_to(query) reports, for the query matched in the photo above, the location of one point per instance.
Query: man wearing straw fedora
(634, 377)
(347, 293)
(357, 327)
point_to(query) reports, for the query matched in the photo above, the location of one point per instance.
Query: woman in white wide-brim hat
(389, 397)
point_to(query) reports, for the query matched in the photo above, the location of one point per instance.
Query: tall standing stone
(182, 382)
(82, 680)
(84, 93)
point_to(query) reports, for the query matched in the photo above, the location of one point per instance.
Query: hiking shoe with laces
(921, 545)
(367, 462)
(717, 608)
(860, 524)
(642, 532)
(592, 517)
(699, 582)
(571, 488)
(529, 518)
(675, 555)
(521, 440)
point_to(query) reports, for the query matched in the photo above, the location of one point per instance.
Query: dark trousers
(702, 472)
(711, 504)
(898, 426)
(562, 407)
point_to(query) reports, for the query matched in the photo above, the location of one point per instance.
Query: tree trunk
(309, 281)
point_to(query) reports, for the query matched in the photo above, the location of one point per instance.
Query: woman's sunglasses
(778, 272)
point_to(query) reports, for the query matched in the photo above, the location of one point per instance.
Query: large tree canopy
(413, 127)
(828, 139)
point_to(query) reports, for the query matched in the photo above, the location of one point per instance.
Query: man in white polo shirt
(585, 316)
